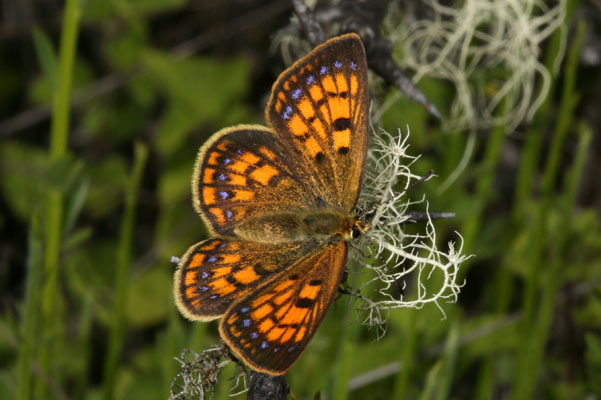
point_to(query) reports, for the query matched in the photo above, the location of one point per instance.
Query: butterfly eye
(359, 228)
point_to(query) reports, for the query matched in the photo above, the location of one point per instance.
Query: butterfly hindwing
(270, 328)
(215, 273)
(319, 107)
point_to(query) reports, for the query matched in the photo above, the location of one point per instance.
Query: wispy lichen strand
(488, 49)
(395, 256)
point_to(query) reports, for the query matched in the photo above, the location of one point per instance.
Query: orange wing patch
(264, 174)
(246, 276)
(208, 195)
(316, 93)
(297, 126)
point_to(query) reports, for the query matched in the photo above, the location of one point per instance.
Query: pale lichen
(394, 255)
(488, 49)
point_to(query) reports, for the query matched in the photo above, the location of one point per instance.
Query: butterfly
(278, 202)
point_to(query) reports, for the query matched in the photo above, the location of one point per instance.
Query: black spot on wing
(341, 124)
(304, 302)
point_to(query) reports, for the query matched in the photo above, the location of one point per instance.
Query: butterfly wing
(215, 273)
(270, 328)
(319, 107)
(247, 170)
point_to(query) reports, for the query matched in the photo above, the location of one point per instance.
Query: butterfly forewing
(319, 107)
(243, 171)
(270, 328)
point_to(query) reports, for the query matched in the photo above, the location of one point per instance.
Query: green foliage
(94, 204)
(22, 177)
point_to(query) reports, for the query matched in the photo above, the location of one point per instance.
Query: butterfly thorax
(291, 226)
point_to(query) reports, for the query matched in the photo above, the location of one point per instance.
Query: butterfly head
(360, 227)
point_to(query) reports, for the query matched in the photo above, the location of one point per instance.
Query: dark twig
(267, 387)
(380, 61)
(419, 216)
(310, 25)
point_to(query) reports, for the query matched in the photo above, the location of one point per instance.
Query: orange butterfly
(279, 204)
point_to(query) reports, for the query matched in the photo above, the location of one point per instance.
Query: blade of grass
(29, 320)
(343, 365)
(568, 102)
(54, 212)
(117, 329)
(484, 186)
(171, 346)
(540, 332)
(525, 376)
(448, 366)
(84, 330)
(410, 347)
(46, 56)
(527, 171)
(431, 381)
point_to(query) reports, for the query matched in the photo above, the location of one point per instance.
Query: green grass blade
(410, 348)
(526, 375)
(30, 321)
(448, 369)
(538, 337)
(117, 329)
(54, 212)
(46, 56)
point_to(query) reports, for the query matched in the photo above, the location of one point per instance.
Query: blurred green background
(103, 105)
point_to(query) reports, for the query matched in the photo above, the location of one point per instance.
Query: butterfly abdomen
(285, 227)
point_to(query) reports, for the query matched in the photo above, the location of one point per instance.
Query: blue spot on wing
(337, 64)
(296, 94)
(286, 114)
(323, 70)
